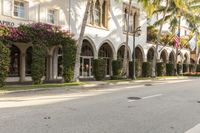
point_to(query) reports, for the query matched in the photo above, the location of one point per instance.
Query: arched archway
(86, 60)
(150, 54)
(57, 63)
(106, 53)
(163, 56)
(28, 60)
(172, 58)
(120, 53)
(180, 58)
(14, 68)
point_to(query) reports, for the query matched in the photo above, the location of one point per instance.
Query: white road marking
(147, 97)
(157, 95)
(195, 129)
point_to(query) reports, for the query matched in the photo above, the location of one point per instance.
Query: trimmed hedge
(169, 69)
(192, 67)
(69, 56)
(117, 69)
(4, 63)
(146, 69)
(179, 69)
(99, 69)
(137, 69)
(38, 63)
(185, 68)
(198, 68)
(161, 69)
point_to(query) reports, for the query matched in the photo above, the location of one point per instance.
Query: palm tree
(178, 10)
(125, 59)
(151, 7)
(80, 41)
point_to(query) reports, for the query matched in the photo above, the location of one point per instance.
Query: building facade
(104, 37)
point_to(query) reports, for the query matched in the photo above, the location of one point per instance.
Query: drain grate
(134, 98)
(148, 85)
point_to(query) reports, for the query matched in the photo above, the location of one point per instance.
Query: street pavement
(171, 106)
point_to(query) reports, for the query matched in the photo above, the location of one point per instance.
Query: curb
(92, 85)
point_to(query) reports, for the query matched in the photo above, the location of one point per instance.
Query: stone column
(22, 67)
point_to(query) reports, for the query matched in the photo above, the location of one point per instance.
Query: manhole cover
(148, 85)
(198, 101)
(134, 98)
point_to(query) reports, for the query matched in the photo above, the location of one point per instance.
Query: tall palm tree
(151, 7)
(80, 41)
(125, 59)
(186, 10)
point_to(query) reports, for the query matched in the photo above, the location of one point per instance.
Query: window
(51, 16)
(133, 18)
(19, 9)
(98, 13)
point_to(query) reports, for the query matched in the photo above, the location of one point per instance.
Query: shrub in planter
(137, 69)
(38, 63)
(117, 69)
(69, 53)
(4, 63)
(192, 67)
(198, 68)
(170, 69)
(161, 68)
(185, 68)
(99, 69)
(179, 69)
(146, 69)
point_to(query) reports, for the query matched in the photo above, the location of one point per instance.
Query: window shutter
(7, 7)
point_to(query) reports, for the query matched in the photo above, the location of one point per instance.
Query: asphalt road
(171, 106)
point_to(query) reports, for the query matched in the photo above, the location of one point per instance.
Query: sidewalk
(95, 85)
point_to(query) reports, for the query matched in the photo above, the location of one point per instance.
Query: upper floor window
(133, 18)
(51, 16)
(98, 13)
(19, 9)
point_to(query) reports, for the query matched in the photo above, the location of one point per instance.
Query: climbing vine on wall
(42, 36)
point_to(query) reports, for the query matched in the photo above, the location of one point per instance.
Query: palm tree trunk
(197, 55)
(125, 59)
(153, 74)
(177, 51)
(80, 41)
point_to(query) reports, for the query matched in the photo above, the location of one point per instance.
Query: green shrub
(4, 63)
(38, 63)
(146, 69)
(161, 69)
(137, 69)
(179, 69)
(185, 68)
(99, 69)
(69, 53)
(117, 69)
(198, 68)
(170, 69)
(192, 67)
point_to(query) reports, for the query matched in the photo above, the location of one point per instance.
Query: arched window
(97, 13)
(106, 53)
(104, 14)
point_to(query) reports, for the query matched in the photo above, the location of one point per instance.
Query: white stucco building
(104, 37)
